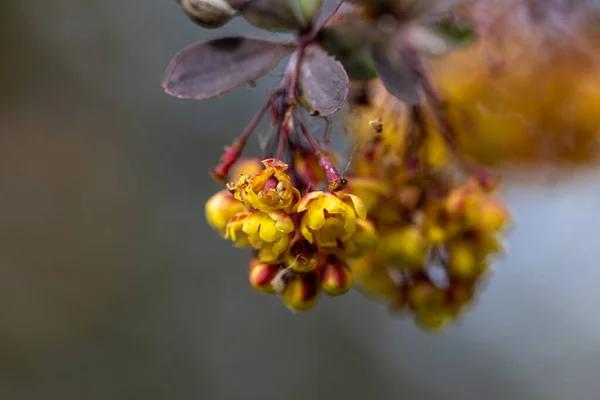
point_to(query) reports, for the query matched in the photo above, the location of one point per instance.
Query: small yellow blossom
(269, 233)
(268, 190)
(464, 261)
(405, 247)
(329, 219)
(220, 208)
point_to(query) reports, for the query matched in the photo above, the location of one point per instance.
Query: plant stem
(233, 153)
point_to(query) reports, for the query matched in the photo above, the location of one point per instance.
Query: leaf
(350, 45)
(214, 67)
(323, 81)
(395, 72)
(328, 9)
(275, 15)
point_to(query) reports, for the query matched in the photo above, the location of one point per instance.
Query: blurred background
(112, 286)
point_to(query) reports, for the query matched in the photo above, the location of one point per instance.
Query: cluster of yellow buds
(438, 228)
(301, 242)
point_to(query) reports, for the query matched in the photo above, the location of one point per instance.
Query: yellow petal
(283, 222)
(266, 255)
(256, 242)
(303, 204)
(253, 222)
(357, 204)
(304, 229)
(327, 237)
(281, 245)
(332, 204)
(253, 199)
(315, 218)
(268, 233)
(349, 225)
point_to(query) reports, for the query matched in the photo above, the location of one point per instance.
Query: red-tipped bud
(337, 278)
(261, 275)
(300, 292)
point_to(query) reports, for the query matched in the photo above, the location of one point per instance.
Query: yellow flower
(405, 247)
(268, 190)
(220, 208)
(268, 233)
(328, 219)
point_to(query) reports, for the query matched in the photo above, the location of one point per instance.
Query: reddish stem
(336, 182)
(294, 72)
(233, 153)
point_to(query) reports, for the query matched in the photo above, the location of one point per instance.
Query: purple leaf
(328, 9)
(323, 81)
(214, 67)
(268, 14)
(393, 69)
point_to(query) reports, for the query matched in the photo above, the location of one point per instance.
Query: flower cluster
(415, 223)
(301, 243)
(438, 225)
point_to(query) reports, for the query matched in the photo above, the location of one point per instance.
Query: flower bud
(463, 260)
(220, 208)
(261, 275)
(208, 13)
(435, 320)
(300, 293)
(493, 215)
(456, 200)
(337, 277)
(424, 296)
(405, 247)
